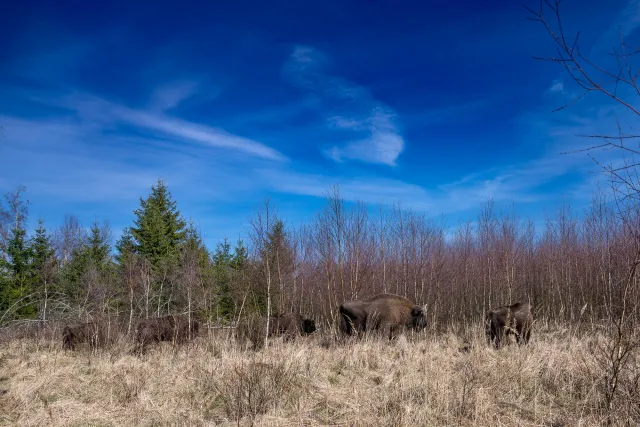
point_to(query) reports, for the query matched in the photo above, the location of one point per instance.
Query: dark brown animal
(178, 329)
(291, 325)
(386, 313)
(515, 319)
(79, 333)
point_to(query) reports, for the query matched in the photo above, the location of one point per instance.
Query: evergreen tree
(44, 266)
(42, 248)
(281, 260)
(240, 256)
(72, 272)
(98, 246)
(125, 246)
(159, 228)
(222, 264)
(19, 265)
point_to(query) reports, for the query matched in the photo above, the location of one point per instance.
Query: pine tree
(159, 228)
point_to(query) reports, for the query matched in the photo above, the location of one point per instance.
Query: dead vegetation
(426, 379)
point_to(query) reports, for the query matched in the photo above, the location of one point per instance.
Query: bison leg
(66, 339)
(524, 335)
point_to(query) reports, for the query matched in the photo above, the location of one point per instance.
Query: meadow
(427, 379)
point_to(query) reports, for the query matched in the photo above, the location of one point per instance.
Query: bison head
(418, 317)
(308, 326)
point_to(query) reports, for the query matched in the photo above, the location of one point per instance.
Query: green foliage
(93, 252)
(98, 246)
(159, 229)
(72, 272)
(222, 273)
(42, 249)
(18, 285)
(240, 257)
(125, 246)
(193, 242)
(45, 265)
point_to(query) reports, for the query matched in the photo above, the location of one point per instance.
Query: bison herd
(385, 314)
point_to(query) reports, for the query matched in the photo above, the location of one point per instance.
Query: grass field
(434, 379)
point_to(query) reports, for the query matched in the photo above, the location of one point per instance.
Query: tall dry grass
(436, 380)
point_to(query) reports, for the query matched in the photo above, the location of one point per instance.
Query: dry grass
(428, 380)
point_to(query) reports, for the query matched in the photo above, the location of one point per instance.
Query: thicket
(574, 267)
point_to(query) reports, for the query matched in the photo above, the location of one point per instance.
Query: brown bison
(386, 313)
(515, 319)
(79, 333)
(177, 329)
(288, 325)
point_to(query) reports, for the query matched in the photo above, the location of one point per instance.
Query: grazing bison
(384, 312)
(79, 333)
(167, 328)
(289, 325)
(515, 319)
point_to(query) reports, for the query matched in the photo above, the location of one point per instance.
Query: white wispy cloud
(349, 107)
(557, 87)
(169, 96)
(365, 188)
(104, 112)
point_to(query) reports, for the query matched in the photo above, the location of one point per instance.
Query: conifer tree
(222, 264)
(19, 264)
(17, 285)
(98, 246)
(44, 266)
(159, 228)
(125, 246)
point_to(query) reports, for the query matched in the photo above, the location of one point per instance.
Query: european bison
(515, 319)
(79, 333)
(289, 325)
(387, 313)
(167, 328)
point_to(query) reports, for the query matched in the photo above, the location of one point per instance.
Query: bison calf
(515, 319)
(387, 313)
(79, 333)
(177, 329)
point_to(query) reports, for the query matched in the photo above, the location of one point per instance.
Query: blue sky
(436, 105)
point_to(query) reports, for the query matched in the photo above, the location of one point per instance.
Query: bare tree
(68, 237)
(617, 81)
(261, 225)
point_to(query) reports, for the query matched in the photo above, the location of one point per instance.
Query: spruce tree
(281, 260)
(125, 246)
(19, 264)
(98, 246)
(44, 266)
(42, 248)
(240, 256)
(159, 228)
(222, 264)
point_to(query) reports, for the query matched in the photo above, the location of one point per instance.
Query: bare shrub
(251, 388)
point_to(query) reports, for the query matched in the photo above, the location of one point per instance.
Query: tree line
(573, 268)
